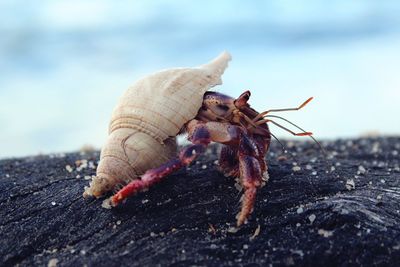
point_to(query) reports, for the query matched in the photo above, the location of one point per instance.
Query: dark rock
(303, 217)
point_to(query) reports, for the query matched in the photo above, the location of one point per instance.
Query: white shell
(148, 117)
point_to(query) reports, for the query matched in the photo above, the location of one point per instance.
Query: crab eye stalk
(241, 101)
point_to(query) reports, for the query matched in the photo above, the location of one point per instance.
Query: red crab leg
(249, 153)
(250, 174)
(229, 161)
(150, 177)
(200, 139)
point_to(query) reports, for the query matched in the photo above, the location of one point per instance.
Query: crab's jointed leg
(242, 156)
(200, 138)
(251, 175)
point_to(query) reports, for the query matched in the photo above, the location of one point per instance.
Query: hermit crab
(141, 148)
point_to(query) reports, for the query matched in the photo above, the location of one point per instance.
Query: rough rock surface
(305, 216)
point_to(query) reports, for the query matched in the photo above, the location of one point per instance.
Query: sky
(64, 64)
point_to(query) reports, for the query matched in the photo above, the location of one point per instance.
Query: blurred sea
(64, 64)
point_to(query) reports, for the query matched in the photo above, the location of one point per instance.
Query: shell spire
(216, 67)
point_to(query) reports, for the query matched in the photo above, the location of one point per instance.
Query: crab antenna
(301, 129)
(249, 120)
(304, 133)
(262, 114)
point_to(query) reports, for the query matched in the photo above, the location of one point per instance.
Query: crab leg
(251, 175)
(200, 138)
(229, 161)
(250, 154)
(250, 165)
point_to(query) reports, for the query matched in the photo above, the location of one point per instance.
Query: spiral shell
(147, 119)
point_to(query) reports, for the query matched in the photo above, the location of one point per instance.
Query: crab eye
(223, 107)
